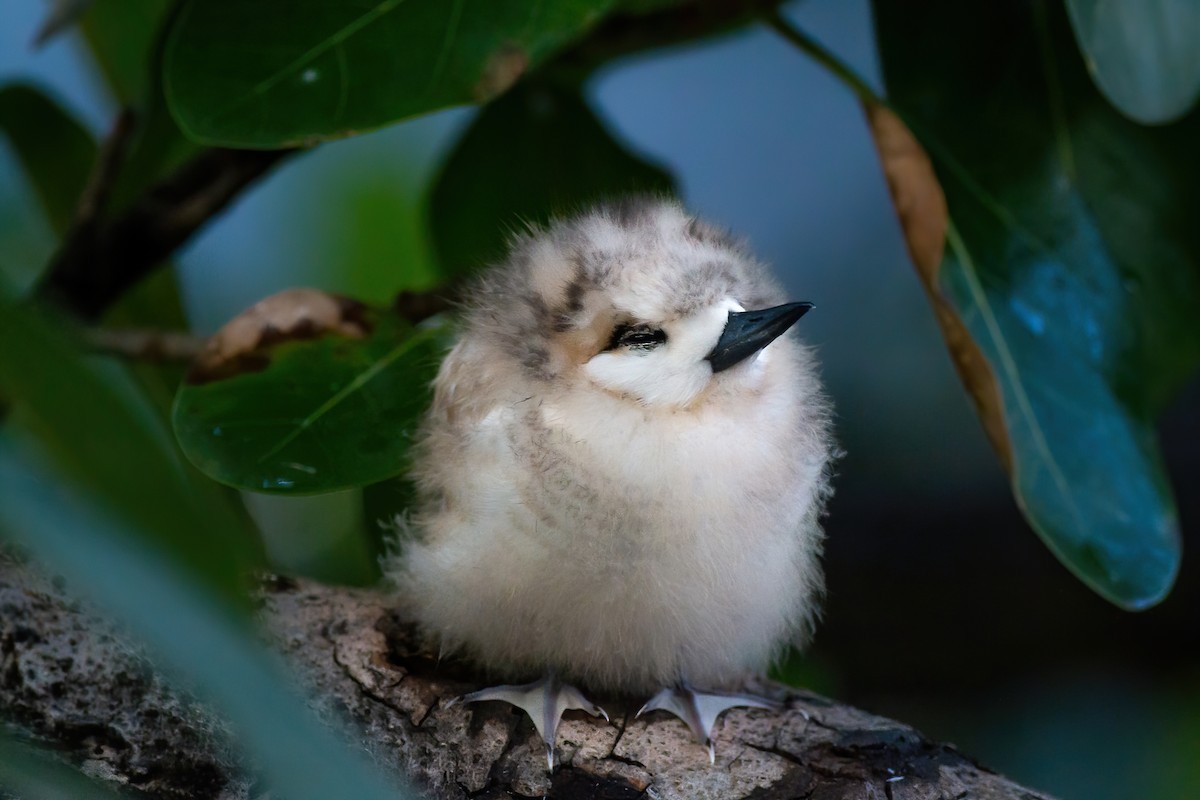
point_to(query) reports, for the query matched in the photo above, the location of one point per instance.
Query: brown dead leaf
(294, 314)
(921, 206)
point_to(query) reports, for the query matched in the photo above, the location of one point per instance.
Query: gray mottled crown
(638, 259)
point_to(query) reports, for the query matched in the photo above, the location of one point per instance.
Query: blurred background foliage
(943, 610)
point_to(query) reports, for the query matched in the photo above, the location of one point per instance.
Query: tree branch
(67, 679)
(141, 344)
(98, 263)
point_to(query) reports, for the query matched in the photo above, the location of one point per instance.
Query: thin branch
(87, 223)
(90, 273)
(823, 56)
(163, 346)
(109, 160)
(144, 345)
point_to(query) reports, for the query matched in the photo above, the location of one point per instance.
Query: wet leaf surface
(1073, 263)
(304, 403)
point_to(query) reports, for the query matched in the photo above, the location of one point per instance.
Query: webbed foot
(699, 710)
(545, 701)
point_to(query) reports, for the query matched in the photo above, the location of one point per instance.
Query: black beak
(747, 332)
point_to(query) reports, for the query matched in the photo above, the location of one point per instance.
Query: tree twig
(823, 56)
(109, 160)
(90, 273)
(144, 344)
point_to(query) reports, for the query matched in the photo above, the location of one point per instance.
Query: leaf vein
(1009, 365)
(333, 41)
(360, 380)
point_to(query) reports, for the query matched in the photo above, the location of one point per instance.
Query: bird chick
(623, 470)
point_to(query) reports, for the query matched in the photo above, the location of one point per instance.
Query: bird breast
(622, 545)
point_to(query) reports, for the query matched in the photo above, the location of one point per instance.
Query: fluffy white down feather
(626, 518)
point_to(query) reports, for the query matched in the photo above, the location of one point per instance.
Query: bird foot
(699, 710)
(545, 701)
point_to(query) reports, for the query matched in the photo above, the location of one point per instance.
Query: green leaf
(321, 536)
(256, 75)
(373, 237)
(54, 149)
(1074, 264)
(322, 414)
(91, 421)
(1142, 54)
(191, 634)
(551, 155)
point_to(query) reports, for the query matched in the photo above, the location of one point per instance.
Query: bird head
(637, 299)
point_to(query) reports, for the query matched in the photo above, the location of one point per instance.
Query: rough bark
(72, 680)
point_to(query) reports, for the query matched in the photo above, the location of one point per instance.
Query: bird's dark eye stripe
(636, 337)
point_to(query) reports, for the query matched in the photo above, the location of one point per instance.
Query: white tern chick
(623, 470)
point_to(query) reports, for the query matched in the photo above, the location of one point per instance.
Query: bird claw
(699, 710)
(545, 701)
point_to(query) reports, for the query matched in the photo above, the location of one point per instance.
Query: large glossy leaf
(1143, 54)
(551, 155)
(307, 414)
(95, 426)
(262, 75)
(104, 556)
(54, 149)
(1074, 265)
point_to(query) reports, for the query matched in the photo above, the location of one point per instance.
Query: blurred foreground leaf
(261, 75)
(1074, 267)
(90, 420)
(288, 412)
(320, 536)
(373, 237)
(536, 152)
(54, 149)
(1143, 54)
(188, 632)
(29, 773)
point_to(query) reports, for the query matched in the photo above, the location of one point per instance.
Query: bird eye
(637, 337)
